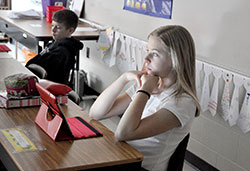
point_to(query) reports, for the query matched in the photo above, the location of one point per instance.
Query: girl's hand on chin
(149, 82)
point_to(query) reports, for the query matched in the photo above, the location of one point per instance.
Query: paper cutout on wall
(199, 67)
(122, 61)
(157, 8)
(128, 49)
(205, 89)
(244, 118)
(105, 45)
(132, 61)
(225, 101)
(140, 55)
(105, 39)
(234, 106)
(212, 105)
(114, 49)
(126, 52)
(106, 56)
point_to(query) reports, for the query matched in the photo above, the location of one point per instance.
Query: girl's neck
(169, 80)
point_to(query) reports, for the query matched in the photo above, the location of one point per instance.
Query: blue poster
(157, 8)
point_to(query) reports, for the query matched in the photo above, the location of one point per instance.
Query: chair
(38, 70)
(41, 73)
(176, 161)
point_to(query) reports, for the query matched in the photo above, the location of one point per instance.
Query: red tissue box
(46, 3)
(50, 11)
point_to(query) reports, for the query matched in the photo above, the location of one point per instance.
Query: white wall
(221, 33)
(99, 74)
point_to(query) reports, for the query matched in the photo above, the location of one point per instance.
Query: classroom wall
(220, 30)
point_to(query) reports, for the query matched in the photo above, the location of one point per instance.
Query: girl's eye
(155, 54)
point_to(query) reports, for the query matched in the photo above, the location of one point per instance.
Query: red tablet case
(59, 127)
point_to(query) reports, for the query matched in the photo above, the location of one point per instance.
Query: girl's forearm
(105, 101)
(131, 119)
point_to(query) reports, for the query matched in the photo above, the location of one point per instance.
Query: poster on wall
(156, 8)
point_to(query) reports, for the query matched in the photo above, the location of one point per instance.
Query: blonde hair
(180, 45)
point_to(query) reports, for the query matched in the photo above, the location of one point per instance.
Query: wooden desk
(97, 153)
(11, 66)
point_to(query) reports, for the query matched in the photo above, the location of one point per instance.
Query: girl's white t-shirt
(158, 149)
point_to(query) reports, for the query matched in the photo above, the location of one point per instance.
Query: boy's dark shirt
(58, 58)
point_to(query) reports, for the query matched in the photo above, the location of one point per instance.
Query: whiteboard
(221, 29)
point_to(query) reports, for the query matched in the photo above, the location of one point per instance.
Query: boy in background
(58, 57)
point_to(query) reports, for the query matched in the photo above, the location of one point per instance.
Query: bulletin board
(156, 8)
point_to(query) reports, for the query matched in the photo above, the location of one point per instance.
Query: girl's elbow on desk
(123, 135)
(94, 115)
(119, 136)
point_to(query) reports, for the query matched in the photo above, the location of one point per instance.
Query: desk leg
(16, 50)
(77, 73)
(77, 82)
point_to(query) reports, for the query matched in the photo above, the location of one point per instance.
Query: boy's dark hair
(67, 17)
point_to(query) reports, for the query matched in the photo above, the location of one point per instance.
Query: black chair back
(176, 161)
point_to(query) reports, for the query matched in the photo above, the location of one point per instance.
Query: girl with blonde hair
(159, 109)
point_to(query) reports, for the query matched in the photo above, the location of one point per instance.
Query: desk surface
(41, 29)
(72, 155)
(10, 66)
